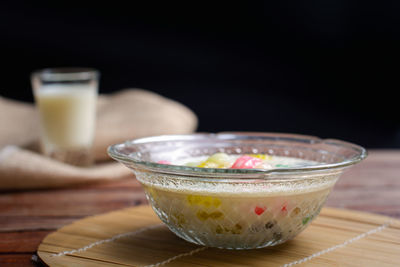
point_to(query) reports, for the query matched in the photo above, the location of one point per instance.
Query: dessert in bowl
(237, 191)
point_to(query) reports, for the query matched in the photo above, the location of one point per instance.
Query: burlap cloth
(128, 114)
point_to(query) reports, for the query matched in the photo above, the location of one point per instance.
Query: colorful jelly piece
(193, 164)
(164, 162)
(282, 166)
(215, 215)
(261, 156)
(256, 227)
(236, 229)
(295, 212)
(206, 201)
(178, 219)
(246, 162)
(270, 224)
(284, 208)
(203, 215)
(259, 210)
(219, 229)
(194, 200)
(217, 160)
(263, 165)
(306, 220)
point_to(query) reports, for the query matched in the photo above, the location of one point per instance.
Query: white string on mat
(190, 253)
(345, 243)
(111, 239)
(194, 251)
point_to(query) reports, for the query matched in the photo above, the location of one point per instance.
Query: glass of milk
(66, 100)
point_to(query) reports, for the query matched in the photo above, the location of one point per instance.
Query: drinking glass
(66, 100)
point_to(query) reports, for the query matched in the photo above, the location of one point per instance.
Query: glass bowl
(236, 208)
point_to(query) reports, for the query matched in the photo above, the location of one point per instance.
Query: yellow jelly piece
(192, 164)
(219, 229)
(295, 212)
(194, 200)
(216, 202)
(178, 219)
(206, 201)
(207, 164)
(237, 229)
(216, 215)
(261, 156)
(203, 215)
(217, 160)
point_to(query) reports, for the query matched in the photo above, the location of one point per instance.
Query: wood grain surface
(26, 217)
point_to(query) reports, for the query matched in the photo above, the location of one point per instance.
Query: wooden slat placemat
(136, 237)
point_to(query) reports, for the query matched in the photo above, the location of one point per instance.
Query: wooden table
(27, 217)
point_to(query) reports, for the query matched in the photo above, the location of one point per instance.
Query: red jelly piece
(246, 162)
(164, 162)
(258, 210)
(284, 208)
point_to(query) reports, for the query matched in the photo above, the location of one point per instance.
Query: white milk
(67, 115)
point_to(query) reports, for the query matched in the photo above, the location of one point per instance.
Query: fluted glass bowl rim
(128, 159)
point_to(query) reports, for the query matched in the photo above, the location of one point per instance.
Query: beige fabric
(139, 113)
(124, 115)
(18, 123)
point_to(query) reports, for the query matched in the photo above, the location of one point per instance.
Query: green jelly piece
(282, 166)
(306, 220)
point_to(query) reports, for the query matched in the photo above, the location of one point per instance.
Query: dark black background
(326, 68)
